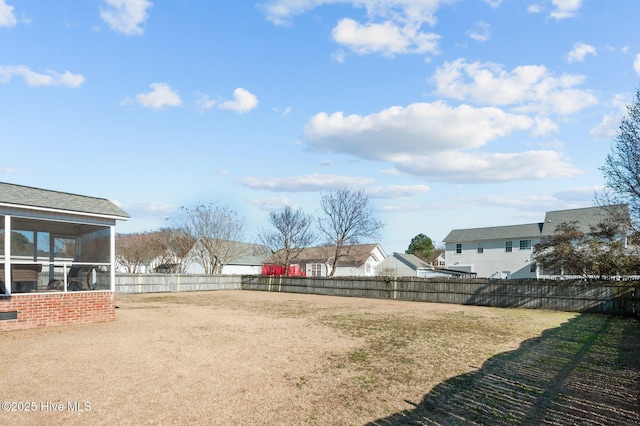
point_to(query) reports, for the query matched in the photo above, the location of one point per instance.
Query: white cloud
(462, 167)
(156, 208)
(565, 8)
(204, 101)
(339, 56)
(610, 123)
(281, 11)
(397, 191)
(493, 3)
(148, 209)
(126, 16)
(580, 51)
(7, 17)
(608, 126)
(480, 32)
(159, 97)
(438, 142)
(244, 101)
(535, 8)
(520, 201)
(386, 38)
(580, 194)
(418, 129)
(308, 183)
(391, 27)
(527, 88)
(272, 204)
(636, 64)
(34, 79)
(391, 172)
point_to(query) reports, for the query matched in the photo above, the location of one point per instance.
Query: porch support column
(112, 257)
(7, 254)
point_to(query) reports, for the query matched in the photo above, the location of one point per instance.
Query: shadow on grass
(585, 372)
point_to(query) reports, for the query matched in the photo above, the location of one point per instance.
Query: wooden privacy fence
(573, 296)
(613, 297)
(169, 283)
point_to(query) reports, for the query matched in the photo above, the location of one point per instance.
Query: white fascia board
(71, 212)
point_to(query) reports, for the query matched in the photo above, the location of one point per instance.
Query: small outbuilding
(57, 257)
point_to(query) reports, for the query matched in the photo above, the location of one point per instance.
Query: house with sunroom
(505, 251)
(57, 257)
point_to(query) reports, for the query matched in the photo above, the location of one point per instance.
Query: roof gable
(412, 261)
(435, 255)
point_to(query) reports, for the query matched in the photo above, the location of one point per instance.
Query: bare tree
(217, 231)
(292, 234)
(177, 245)
(133, 251)
(621, 170)
(599, 253)
(347, 218)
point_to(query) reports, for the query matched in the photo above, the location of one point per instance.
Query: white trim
(7, 255)
(72, 212)
(112, 257)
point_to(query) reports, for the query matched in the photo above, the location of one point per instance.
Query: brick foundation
(53, 309)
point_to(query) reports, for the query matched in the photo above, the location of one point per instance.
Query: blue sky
(450, 113)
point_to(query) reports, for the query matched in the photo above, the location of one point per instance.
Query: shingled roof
(352, 255)
(584, 217)
(27, 197)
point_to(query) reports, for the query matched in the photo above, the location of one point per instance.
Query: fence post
(395, 288)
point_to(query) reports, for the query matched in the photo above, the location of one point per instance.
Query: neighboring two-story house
(505, 251)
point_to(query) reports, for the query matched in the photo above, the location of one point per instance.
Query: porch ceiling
(53, 227)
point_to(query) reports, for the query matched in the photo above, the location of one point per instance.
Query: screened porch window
(47, 256)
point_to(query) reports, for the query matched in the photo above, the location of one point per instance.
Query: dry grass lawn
(253, 358)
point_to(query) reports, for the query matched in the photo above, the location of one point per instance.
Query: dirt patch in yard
(252, 358)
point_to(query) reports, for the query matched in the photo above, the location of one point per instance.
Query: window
(316, 269)
(458, 248)
(480, 248)
(508, 246)
(532, 268)
(525, 244)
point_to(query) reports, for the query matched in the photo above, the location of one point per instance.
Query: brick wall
(52, 309)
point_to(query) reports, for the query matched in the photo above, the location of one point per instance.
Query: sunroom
(54, 243)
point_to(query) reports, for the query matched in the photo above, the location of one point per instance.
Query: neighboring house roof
(412, 261)
(28, 197)
(494, 232)
(253, 254)
(353, 255)
(585, 217)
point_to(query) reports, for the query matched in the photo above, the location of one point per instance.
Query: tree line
(211, 235)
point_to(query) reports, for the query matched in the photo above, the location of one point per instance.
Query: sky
(450, 113)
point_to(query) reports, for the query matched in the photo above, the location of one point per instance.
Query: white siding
(494, 262)
(394, 268)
